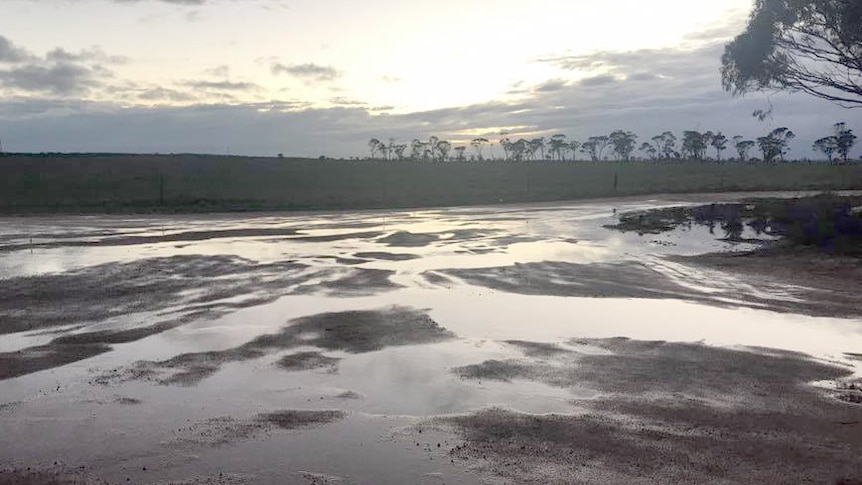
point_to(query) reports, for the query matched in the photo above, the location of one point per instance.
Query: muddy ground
(667, 413)
(480, 345)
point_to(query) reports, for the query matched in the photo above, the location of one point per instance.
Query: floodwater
(153, 349)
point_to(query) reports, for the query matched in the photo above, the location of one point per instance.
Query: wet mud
(227, 430)
(352, 332)
(666, 413)
(108, 240)
(827, 284)
(818, 296)
(404, 239)
(387, 256)
(307, 361)
(110, 290)
(348, 323)
(180, 288)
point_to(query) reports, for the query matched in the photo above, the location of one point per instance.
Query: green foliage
(742, 147)
(719, 142)
(775, 144)
(694, 144)
(844, 140)
(623, 144)
(814, 46)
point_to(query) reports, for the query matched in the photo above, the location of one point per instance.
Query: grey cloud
(164, 94)
(656, 61)
(10, 53)
(733, 24)
(223, 85)
(60, 78)
(58, 72)
(218, 71)
(342, 101)
(550, 86)
(88, 55)
(642, 76)
(600, 80)
(308, 71)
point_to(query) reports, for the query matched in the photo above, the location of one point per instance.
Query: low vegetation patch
(830, 222)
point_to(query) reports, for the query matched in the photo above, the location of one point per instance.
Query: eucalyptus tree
(417, 147)
(459, 153)
(719, 142)
(813, 46)
(742, 147)
(399, 150)
(557, 146)
(443, 148)
(374, 145)
(649, 149)
(432, 146)
(775, 144)
(828, 145)
(477, 144)
(665, 145)
(506, 145)
(594, 146)
(590, 147)
(845, 139)
(390, 149)
(573, 147)
(537, 145)
(519, 149)
(693, 144)
(623, 144)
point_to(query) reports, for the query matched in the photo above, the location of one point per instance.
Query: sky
(322, 77)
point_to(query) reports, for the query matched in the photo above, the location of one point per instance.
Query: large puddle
(160, 348)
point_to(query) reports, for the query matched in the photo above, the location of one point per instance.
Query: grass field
(182, 183)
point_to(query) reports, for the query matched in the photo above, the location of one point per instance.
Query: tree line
(621, 145)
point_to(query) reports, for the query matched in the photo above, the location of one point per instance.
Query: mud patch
(353, 282)
(387, 256)
(638, 280)
(308, 361)
(220, 479)
(635, 367)
(669, 413)
(350, 261)
(226, 430)
(320, 478)
(404, 239)
(301, 419)
(353, 332)
(54, 475)
(337, 237)
(601, 280)
(190, 287)
(172, 237)
(496, 370)
(35, 359)
(110, 290)
(826, 284)
(348, 395)
(538, 349)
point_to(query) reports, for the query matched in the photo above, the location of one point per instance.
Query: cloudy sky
(321, 77)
